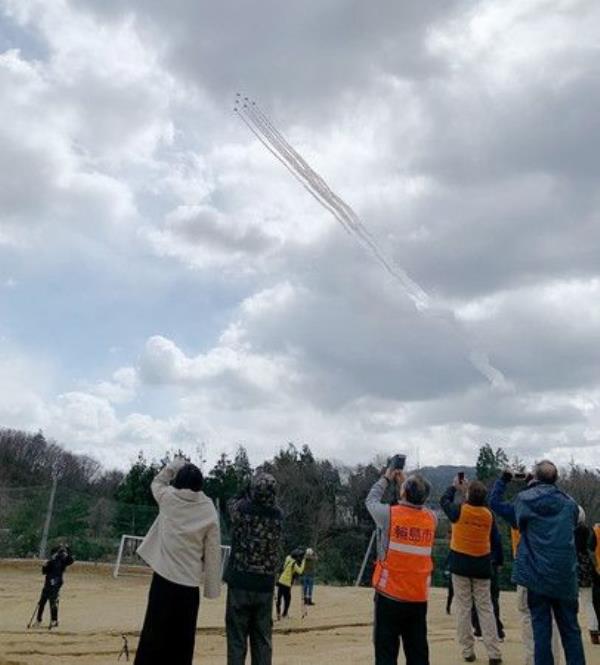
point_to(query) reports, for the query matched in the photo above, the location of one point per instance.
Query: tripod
(33, 615)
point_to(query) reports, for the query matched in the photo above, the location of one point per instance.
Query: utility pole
(44, 541)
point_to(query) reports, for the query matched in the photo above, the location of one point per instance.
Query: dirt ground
(96, 609)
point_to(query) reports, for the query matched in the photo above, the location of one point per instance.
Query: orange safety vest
(515, 539)
(471, 533)
(597, 550)
(405, 572)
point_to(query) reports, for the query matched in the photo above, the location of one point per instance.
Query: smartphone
(520, 476)
(461, 476)
(397, 462)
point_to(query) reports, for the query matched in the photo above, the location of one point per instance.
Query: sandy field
(96, 609)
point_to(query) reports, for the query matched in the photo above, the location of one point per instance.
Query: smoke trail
(265, 131)
(273, 140)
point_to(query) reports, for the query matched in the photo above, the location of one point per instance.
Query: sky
(165, 283)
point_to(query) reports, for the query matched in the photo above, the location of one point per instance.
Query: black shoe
(495, 661)
(471, 659)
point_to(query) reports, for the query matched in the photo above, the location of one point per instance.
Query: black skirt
(169, 631)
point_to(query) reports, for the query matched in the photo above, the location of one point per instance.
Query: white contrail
(265, 131)
(259, 124)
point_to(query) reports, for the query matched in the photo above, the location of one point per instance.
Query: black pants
(284, 593)
(396, 621)
(248, 617)
(596, 596)
(49, 594)
(169, 631)
(450, 596)
(495, 592)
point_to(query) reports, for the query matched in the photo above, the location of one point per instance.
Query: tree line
(323, 502)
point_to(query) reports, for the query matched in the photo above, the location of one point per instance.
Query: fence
(91, 524)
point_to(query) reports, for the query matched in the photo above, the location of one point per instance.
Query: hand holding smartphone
(397, 462)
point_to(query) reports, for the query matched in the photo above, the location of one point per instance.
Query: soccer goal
(128, 557)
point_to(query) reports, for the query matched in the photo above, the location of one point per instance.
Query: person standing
(497, 561)
(585, 573)
(293, 567)
(182, 547)
(402, 575)
(308, 577)
(595, 548)
(546, 563)
(473, 531)
(54, 569)
(448, 577)
(256, 523)
(506, 510)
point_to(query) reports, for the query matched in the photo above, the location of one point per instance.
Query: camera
(397, 462)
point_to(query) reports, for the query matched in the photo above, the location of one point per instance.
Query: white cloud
(462, 133)
(121, 389)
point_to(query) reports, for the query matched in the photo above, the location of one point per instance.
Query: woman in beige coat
(182, 547)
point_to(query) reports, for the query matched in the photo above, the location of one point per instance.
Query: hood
(263, 489)
(543, 499)
(191, 497)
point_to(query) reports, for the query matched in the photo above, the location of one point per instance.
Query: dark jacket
(55, 567)
(547, 559)
(585, 565)
(479, 567)
(504, 509)
(256, 533)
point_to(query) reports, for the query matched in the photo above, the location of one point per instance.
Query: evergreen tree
(490, 463)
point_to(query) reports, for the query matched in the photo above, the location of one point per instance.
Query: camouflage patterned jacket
(256, 534)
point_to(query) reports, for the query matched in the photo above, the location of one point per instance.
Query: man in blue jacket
(546, 564)
(506, 510)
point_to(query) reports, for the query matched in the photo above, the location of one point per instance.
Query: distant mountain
(442, 476)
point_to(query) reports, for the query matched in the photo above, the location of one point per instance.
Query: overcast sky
(164, 282)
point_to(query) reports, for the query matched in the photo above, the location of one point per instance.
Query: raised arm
(380, 512)
(448, 506)
(212, 561)
(162, 480)
(299, 567)
(504, 509)
(69, 560)
(235, 504)
(496, 544)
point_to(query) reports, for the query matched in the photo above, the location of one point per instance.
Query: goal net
(130, 563)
